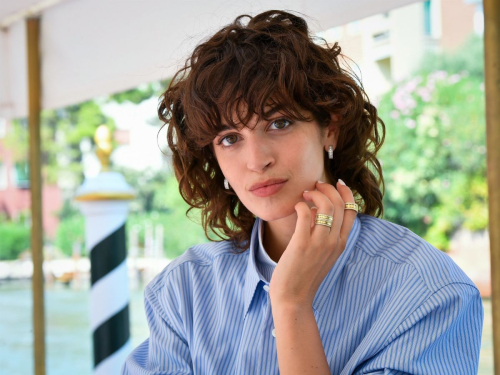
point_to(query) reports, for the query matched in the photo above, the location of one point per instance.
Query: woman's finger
(314, 211)
(349, 215)
(302, 232)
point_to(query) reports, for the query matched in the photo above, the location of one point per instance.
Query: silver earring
(330, 152)
(226, 184)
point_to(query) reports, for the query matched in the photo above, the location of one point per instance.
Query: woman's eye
(228, 138)
(281, 123)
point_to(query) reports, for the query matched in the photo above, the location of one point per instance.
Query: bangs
(236, 111)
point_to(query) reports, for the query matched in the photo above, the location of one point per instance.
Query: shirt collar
(265, 265)
(257, 253)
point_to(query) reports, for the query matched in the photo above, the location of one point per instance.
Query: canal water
(68, 335)
(69, 339)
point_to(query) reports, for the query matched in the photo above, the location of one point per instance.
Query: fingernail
(314, 207)
(306, 191)
(321, 182)
(341, 182)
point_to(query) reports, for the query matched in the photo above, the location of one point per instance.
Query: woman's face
(292, 151)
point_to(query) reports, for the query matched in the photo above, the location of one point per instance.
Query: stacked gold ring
(323, 219)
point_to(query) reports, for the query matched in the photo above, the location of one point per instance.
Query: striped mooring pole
(104, 202)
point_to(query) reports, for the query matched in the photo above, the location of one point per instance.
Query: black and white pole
(104, 201)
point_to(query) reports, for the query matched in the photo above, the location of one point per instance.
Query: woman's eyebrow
(224, 127)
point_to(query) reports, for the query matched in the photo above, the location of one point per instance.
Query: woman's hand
(313, 249)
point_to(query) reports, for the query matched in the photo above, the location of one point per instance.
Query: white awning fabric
(97, 47)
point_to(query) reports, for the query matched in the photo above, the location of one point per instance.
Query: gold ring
(325, 220)
(351, 206)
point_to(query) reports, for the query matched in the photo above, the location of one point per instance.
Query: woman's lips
(268, 190)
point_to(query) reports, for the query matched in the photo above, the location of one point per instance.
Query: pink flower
(425, 93)
(394, 114)
(438, 75)
(410, 123)
(454, 79)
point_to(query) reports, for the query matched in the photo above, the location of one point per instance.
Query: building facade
(387, 48)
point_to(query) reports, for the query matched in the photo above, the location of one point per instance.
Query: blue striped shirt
(391, 304)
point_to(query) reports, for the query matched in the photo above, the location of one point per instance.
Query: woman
(264, 127)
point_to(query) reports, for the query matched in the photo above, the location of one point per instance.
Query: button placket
(266, 288)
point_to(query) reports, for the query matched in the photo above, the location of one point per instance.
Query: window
(382, 36)
(21, 175)
(427, 18)
(3, 177)
(3, 127)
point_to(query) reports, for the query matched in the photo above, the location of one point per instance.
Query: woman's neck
(277, 234)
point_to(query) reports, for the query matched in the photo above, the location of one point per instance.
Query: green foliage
(70, 230)
(141, 93)
(434, 158)
(67, 210)
(469, 57)
(62, 130)
(148, 184)
(15, 238)
(180, 232)
(16, 140)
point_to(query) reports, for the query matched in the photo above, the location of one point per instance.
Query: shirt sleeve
(165, 352)
(442, 336)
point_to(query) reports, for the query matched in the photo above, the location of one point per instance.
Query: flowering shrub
(15, 238)
(434, 156)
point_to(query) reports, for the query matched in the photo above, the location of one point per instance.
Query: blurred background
(420, 64)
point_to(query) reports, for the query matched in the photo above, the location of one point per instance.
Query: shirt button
(273, 332)
(266, 288)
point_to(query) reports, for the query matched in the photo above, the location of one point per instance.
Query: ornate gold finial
(102, 138)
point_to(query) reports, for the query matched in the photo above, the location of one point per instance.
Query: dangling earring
(226, 183)
(330, 152)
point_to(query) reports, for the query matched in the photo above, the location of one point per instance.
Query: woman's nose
(259, 154)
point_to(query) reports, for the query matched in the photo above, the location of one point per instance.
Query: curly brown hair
(271, 62)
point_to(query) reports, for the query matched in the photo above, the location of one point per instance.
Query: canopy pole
(34, 100)
(492, 91)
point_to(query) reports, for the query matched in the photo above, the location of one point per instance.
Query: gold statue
(102, 139)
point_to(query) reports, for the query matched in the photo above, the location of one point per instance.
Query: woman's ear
(332, 131)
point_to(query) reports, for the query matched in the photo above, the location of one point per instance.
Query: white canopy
(97, 47)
